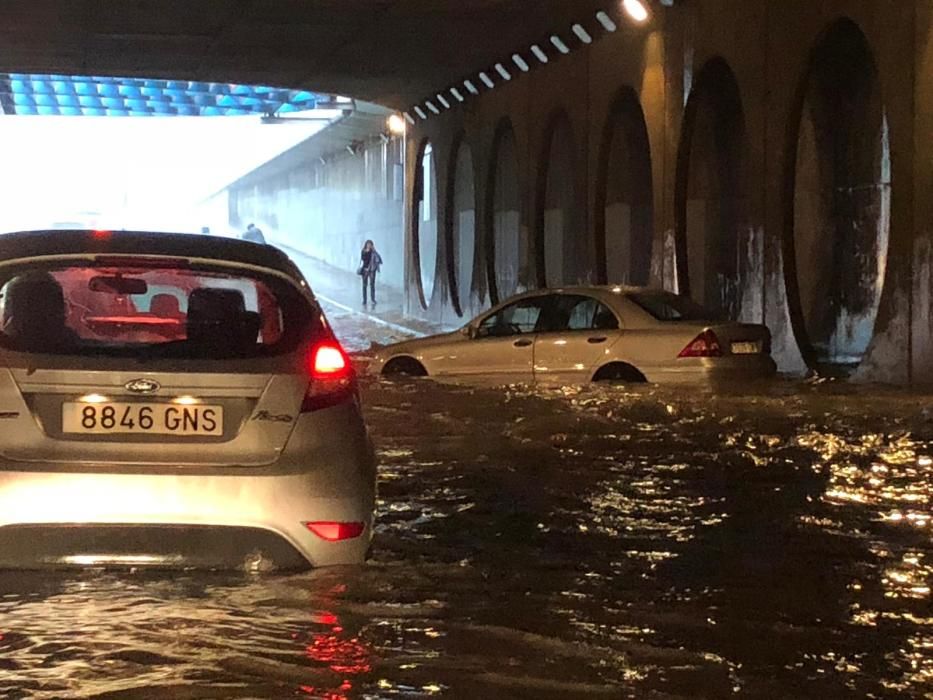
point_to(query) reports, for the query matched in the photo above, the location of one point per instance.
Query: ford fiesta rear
(172, 401)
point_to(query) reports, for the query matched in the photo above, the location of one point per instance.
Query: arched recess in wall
(624, 212)
(714, 247)
(837, 200)
(461, 226)
(424, 222)
(507, 252)
(565, 253)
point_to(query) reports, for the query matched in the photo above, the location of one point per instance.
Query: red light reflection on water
(347, 656)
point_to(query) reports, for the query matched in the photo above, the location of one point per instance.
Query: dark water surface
(576, 544)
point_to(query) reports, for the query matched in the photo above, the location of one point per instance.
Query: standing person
(370, 262)
(254, 234)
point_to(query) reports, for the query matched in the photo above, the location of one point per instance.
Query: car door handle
(523, 343)
(597, 340)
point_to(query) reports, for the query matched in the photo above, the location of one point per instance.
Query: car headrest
(165, 306)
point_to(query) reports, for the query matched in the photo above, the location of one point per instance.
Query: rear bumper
(62, 519)
(731, 370)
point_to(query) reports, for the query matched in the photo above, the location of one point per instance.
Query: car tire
(402, 367)
(619, 373)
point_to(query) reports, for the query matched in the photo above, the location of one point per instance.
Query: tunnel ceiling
(393, 52)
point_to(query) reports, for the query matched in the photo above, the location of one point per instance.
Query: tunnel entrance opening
(462, 228)
(710, 193)
(839, 191)
(511, 269)
(424, 222)
(565, 252)
(625, 202)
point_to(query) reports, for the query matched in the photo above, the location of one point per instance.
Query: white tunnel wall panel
(463, 244)
(513, 266)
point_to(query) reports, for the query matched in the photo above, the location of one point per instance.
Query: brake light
(328, 360)
(332, 379)
(704, 345)
(334, 531)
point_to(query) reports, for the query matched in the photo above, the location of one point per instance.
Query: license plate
(142, 419)
(745, 348)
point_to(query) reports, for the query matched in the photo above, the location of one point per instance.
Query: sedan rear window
(148, 307)
(665, 306)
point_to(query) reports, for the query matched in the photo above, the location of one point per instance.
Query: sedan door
(501, 349)
(574, 340)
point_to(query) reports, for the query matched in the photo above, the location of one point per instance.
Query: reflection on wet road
(588, 543)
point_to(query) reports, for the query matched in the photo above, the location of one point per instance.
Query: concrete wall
(722, 85)
(328, 209)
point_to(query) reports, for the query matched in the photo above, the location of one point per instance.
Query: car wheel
(399, 367)
(619, 373)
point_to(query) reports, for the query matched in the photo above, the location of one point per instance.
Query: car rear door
(574, 339)
(220, 383)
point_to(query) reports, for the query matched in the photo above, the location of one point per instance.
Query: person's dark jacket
(370, 261)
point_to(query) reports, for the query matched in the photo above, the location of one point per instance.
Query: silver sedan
(173, 400)
(581, 334)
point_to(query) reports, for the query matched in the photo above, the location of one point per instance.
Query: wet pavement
(579, 543)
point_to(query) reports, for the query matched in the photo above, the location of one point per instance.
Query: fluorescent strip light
(539, 54)
(520, 62)
(606, 21)
(559, 44)
(487, 81)
(503, 72)
(582, 34)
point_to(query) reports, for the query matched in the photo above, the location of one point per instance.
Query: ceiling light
(606, 21)
(443, 101)
(487, 81)
(539, 54)
(396, 124)
(408, 118)
(635, 9)
(420, 113)
(430, 105)
(559, 44)
(520, 62)
(471, 88)
(503, 72)
(457, 95)
(582, 34)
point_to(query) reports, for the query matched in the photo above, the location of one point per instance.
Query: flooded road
(588, 543)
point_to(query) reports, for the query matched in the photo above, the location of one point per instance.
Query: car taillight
(335, 531)
(704, 345)
(331, 374)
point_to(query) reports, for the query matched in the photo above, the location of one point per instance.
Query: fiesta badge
(143, 386)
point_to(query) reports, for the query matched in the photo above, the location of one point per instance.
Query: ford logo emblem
(143, 386)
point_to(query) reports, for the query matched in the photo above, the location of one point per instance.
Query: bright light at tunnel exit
(396, 124)
(635, 9)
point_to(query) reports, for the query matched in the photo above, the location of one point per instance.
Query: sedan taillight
(332, 377)
(704, 345)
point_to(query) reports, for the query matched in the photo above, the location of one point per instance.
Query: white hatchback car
(173, 400)
(581, 334)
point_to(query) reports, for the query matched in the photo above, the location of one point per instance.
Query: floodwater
(587, 543)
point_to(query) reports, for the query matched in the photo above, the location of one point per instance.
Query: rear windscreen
(149, 307)
(665, 306)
